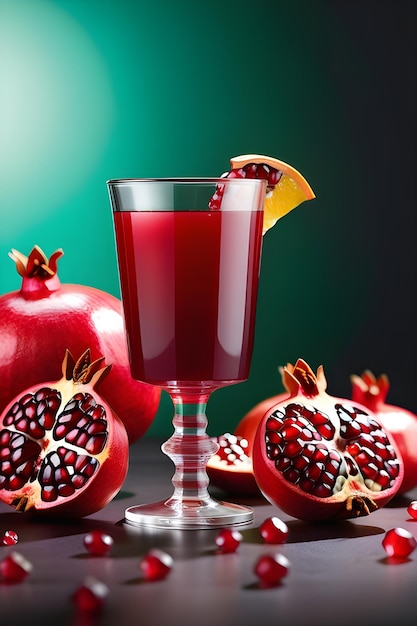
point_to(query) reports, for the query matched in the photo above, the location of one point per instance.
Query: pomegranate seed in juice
(399, 543)
(156, 564)
(274, 530)
(98, 543)
(10, 538)
(14, 568)
(228, 540)
(412, 509)
(271, 569)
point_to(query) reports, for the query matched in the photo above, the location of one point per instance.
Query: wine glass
(189, 252)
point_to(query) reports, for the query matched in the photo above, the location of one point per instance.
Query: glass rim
(186, 180)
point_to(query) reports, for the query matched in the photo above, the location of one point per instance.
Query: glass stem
(190, 447)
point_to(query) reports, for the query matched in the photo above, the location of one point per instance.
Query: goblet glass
(189, 254)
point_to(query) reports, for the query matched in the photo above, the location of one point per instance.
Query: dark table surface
(340, 573)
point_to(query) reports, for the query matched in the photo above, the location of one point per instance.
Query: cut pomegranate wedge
(230, 469)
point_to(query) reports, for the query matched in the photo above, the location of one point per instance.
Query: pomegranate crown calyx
(368, 386)
(300, 377)
(37, 263)
(84, 371)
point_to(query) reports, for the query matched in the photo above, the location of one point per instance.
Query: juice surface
(189, 283)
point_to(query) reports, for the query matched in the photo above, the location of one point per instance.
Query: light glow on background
(56, 108)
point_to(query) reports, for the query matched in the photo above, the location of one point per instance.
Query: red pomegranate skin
(45, 317)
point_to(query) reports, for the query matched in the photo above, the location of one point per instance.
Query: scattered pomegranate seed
(10, 538)
(98, 543)
(156, 564)
(399, 543)
(228, 540)
(274, 530)
(412, 509)
(271, 569)
(90, 597)
(14, 568)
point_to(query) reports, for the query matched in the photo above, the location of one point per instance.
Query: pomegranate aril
(384, 479)
(370, 471)
(274, 176)
(292, 410)
(283, 463)
(353, 448)
(399, 543)
(96, 413)
(262, 171)
(293, 448)
(250, 170)
(49, 493)
(274, 422)
(14, 568)
(292, 475)
(96, 444)
(316, 417)
(351, 467)
(156, 565)
(314, 472)
(326, 430)
(274, 530)
(7, 468)
(271, 569)
(98, 543)
(273, 451)
(228, 540)
(65, 491)
(10, 538)
(306, 485)
(301, 463)
(412, 509)
(70, 457)
(78, 438)
(273, 436)
(322, 490)
(90, 597)
(291, 430)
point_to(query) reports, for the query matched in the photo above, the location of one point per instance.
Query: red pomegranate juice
(189, 283)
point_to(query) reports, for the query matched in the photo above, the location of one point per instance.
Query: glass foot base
(188, 514)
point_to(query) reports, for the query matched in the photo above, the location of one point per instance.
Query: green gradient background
(93, 89)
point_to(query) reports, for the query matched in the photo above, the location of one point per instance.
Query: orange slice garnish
(289, 192)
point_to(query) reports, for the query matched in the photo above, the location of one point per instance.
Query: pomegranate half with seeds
(62, 449)
(230, 468)
(318, 457)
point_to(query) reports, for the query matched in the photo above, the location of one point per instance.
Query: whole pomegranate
(62, 449)
(401, 423)
(45, 317)
(318, 457)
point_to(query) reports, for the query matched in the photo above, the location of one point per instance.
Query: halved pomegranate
(230, 469)
(62, 449)
(318, 457)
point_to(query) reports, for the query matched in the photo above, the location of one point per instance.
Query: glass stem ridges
(190, 448)
(190, 506)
